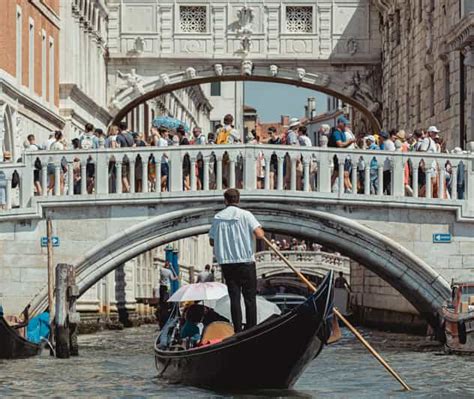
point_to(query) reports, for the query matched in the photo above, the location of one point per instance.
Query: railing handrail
(303, 253)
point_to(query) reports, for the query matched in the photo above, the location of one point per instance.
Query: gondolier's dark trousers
(241, 278)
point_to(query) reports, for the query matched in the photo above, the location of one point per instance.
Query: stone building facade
(427, 69)
(83, 48)
(29, 72)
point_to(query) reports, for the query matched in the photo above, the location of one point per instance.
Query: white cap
(370, 138)
(294, 122)
(433, 129)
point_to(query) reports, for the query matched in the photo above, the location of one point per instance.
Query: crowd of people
(341, 136)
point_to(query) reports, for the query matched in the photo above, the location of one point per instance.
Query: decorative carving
(218, 69)
(245, 18)
(193, 19)
(247, 67)
(190, 73)
(429, 28)
(299, 19)
(300, 73)
(165, 79)
(129, 80)
(361, 87)
(468, 56)
(352, 46)
(273, 70)
(139, 45)
(320, 79)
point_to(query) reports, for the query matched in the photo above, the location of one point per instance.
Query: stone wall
(421, 73)
(377, 304)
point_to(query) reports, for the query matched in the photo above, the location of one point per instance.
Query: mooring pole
(73, 319)
(49, 236)
(61, 325)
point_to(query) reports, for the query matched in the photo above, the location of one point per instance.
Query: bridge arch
(414, 278)
(352, 87)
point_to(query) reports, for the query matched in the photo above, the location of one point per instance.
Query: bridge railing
(316, 262)
(127, 172)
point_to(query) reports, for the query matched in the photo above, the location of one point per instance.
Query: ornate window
(299, 19)
(193, 19)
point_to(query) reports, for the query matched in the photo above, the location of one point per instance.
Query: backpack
(223, 136)
(128, 138)
(87, 142)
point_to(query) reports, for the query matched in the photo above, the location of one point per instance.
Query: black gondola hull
(13, 346)
(271, 355)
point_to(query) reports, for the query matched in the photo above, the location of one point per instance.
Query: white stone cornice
(47, 12)
(463, 35)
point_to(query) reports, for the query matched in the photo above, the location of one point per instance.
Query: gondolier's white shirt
(232, 231)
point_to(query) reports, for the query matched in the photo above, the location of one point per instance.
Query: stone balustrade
(149, 171)
(312, 262)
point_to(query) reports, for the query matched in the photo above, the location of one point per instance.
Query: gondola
(14, 346)
(271, 355)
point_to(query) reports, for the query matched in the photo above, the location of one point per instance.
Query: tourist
(387, 144)
(227, 134)
(111, 140)
(125, 139)
(291, 134)
(338, 139)
(50, 141)
(166, 276)
(231, 235)
(303, 138)
(206, 275)
(374, 179)
(274, 140)
(88, 140)
(198, 136)
(323, 132)
(58, 145)
(31, 145)
(341, 282)
(211, 138)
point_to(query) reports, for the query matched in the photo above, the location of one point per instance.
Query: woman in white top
(56, 145)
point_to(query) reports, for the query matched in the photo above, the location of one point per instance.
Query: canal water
(120, 364)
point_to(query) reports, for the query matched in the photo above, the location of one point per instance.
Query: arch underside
(410, 275)
(337, 84)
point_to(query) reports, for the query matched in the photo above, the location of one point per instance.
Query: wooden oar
(343, 319)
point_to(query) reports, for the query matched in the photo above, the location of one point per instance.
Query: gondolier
(231, 235)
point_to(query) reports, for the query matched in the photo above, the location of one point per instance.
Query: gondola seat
(216, 332)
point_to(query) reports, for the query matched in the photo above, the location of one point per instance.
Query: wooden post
(73, 319)
(49, 235)
(61, 314)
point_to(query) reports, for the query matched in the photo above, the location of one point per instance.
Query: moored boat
(459, 320)
(270, 355)
(13, 345)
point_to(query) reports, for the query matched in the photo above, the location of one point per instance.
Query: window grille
(299, 19)
(193, 19)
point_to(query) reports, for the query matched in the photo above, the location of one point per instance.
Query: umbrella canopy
(199, 292)
(265, 308)
(169, 123)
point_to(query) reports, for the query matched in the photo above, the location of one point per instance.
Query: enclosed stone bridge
(390, 233)
(331, 46)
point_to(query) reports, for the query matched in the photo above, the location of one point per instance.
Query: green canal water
(117, 364)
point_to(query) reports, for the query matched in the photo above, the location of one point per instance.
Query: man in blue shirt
(232, 232)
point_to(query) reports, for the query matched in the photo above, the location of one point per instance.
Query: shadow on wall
(121, 297)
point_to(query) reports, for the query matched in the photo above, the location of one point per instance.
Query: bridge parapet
(312, 262)
(152, 173)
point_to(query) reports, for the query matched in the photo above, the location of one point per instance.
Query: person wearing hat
(291, 134)
(370, 142)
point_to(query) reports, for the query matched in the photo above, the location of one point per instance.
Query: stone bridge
(392, 234)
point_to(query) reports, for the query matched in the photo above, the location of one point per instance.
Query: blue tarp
(169, 123)
(38, 328)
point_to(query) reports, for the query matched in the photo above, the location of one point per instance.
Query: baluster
(219, 172)
(442, 181)
(132, 175)
(57, 178)
(324, 172)
(428, 183)
(158, 158)
(231, 171)
(414, 178)
(354, 164)
(192, 161)
(8, 192)
(70, 178)
(294, 162)
(367, 182)
(205, 172)
(306, 171)
(267, 172)
(280, 173)
(83, 176)
(118, 177)
(454, 182)
(341, 175)
(44, 179)
(144, 174)
(380, 177)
